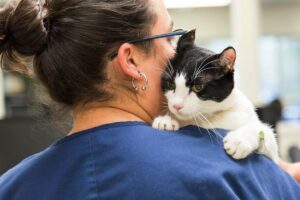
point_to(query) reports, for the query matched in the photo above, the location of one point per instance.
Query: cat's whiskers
(164, 104)
(167, 63)
(159, 69)
(201, 66)
(163, 71)
(216, 133)
(194, 73)
(209, 63)
(210, 131)
(170, 65)
(169, 74)
(202, 63)
(199, 125)
(203, 69)
(164, 108)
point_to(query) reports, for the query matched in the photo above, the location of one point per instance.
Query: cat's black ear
(227, 58)
(189, 36)
(186, 40)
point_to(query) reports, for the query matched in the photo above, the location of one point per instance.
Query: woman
(103, 59)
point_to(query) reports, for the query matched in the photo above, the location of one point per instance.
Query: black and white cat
(199, 87)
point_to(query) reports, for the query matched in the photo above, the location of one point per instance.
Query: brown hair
(69, 42)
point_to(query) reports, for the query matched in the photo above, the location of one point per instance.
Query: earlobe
(126, 61)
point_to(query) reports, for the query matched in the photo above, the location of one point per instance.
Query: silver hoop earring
(145, 86)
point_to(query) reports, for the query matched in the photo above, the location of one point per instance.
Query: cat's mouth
(182, 116)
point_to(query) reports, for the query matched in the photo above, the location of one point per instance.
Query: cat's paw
(238, 145)
(165, 123)
(268, 145)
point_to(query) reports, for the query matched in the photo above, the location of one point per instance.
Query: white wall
(245, 30)
(282, 19)
(209, 22)
(277, 19)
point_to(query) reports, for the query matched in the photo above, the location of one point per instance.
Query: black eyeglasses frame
(177, 32)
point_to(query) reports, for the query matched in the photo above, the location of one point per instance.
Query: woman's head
(70, 42)
(152, 63)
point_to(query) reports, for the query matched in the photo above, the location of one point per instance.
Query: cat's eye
(197, 88)
(171, 85)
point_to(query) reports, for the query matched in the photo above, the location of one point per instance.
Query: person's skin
(292, 168)
(127, 106)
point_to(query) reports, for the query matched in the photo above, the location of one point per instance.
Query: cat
(200, 90)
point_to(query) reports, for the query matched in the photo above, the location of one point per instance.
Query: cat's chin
(183, 117)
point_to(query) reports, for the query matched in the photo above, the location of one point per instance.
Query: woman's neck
(85, 118)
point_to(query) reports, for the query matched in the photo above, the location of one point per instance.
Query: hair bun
(22, 32)
(4, 13)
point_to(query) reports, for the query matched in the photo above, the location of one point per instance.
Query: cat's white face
(185, 104)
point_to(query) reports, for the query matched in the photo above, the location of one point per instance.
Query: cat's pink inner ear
(229, 57)
(192, 35)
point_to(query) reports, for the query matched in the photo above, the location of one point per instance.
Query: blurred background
(266, 35)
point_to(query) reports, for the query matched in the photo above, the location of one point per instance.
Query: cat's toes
(165, 123)
(237, 146)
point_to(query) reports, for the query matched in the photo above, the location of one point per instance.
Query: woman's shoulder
(53, 173)
(137, 139)
(134, 161)
(189, 163)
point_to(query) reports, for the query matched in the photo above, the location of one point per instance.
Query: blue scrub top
(131, 160)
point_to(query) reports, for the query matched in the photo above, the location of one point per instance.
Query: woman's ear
(127, 60)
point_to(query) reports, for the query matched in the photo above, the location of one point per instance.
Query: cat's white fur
(235, 113)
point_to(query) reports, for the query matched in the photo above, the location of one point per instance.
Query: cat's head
(197, 80)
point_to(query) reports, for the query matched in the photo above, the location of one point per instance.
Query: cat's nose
(177, 107)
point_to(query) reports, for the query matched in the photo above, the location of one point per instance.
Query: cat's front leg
(268, 144)
(249, 138)
(165, 122)
(242, 142)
